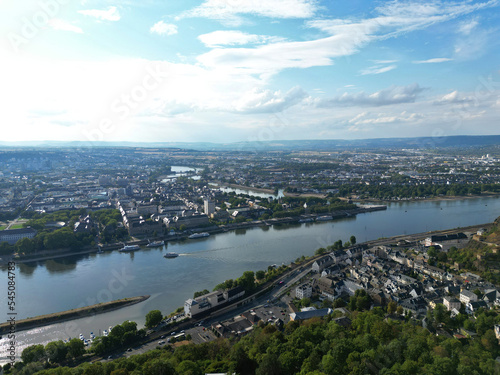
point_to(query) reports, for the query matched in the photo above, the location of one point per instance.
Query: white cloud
(162, 28)
(378, 69)
(385, 61)
(433, 61)
(234, 37)
(111, 14)
(466, 27)
(345, 38)
(390, 95)
(267, 101)
(473, 45)
(384, 118)
(58, 24)
(229, 10)
(453, 97)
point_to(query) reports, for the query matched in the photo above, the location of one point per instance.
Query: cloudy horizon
(234, 70)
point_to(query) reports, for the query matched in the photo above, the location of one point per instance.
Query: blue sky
(237, 70)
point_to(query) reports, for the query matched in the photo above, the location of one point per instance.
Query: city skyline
(231, 70)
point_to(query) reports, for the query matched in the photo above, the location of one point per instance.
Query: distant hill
(462, 141)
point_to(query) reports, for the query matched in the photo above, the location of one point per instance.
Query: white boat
(199, 235)
(171, 255)
(105, 332)
(155, 244)
(130, 248)
(308, 220)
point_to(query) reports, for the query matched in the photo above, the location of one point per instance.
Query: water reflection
(27, 269)
(60, 265)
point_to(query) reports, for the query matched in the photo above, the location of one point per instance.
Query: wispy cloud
(162, 28)
(453, 97)
(230, 10)
(267, 101)
(433, 61)
(111, 14)
(466, 27)
(59, 24)
(390, 95)
(234, 37)
(378, 69)
(346, 37)
(383, 118)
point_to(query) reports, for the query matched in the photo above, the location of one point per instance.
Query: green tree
(25, 246)
(247, 281)
(440, 313)
(392, 307)
(201, 293)
(56, 351)
(260, 275)
(188, 367)
(353, 240)
(432, 252)
(153, 318)
(76, 348)
(270, 365)
(33, 353)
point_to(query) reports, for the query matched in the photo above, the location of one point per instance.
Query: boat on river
(171, 255)
(130, 248)
(199, 235)
(156, 244)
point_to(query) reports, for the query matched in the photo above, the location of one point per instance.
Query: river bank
(212, 230)
(82, 312)
(431, 199)
(242, 187)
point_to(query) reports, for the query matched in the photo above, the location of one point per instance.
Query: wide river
(62, 284)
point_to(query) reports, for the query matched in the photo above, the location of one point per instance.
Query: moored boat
(199, 235)
(171, 255)
(130, 248)
(155, 244)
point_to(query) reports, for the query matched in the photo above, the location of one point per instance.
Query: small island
(82, 312)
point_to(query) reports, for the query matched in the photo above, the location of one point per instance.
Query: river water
(62, 284)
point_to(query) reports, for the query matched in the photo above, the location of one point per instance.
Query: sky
(247, 70)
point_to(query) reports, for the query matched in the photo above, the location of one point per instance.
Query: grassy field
(16, 226)
(2, 227)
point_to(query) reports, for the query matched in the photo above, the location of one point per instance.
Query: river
(62, 284)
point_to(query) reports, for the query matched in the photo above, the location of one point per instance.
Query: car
(161, 342)
(162, 336)
(173, 333)
(110, 356)
(129, 349)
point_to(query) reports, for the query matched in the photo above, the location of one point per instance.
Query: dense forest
(371, 342)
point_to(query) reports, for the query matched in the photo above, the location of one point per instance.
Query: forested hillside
(371, 344)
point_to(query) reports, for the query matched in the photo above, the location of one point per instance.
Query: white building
(13, 235)
(467, 296)
(451, 303)
(303, 291)
(209, 206)
(198, 305)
